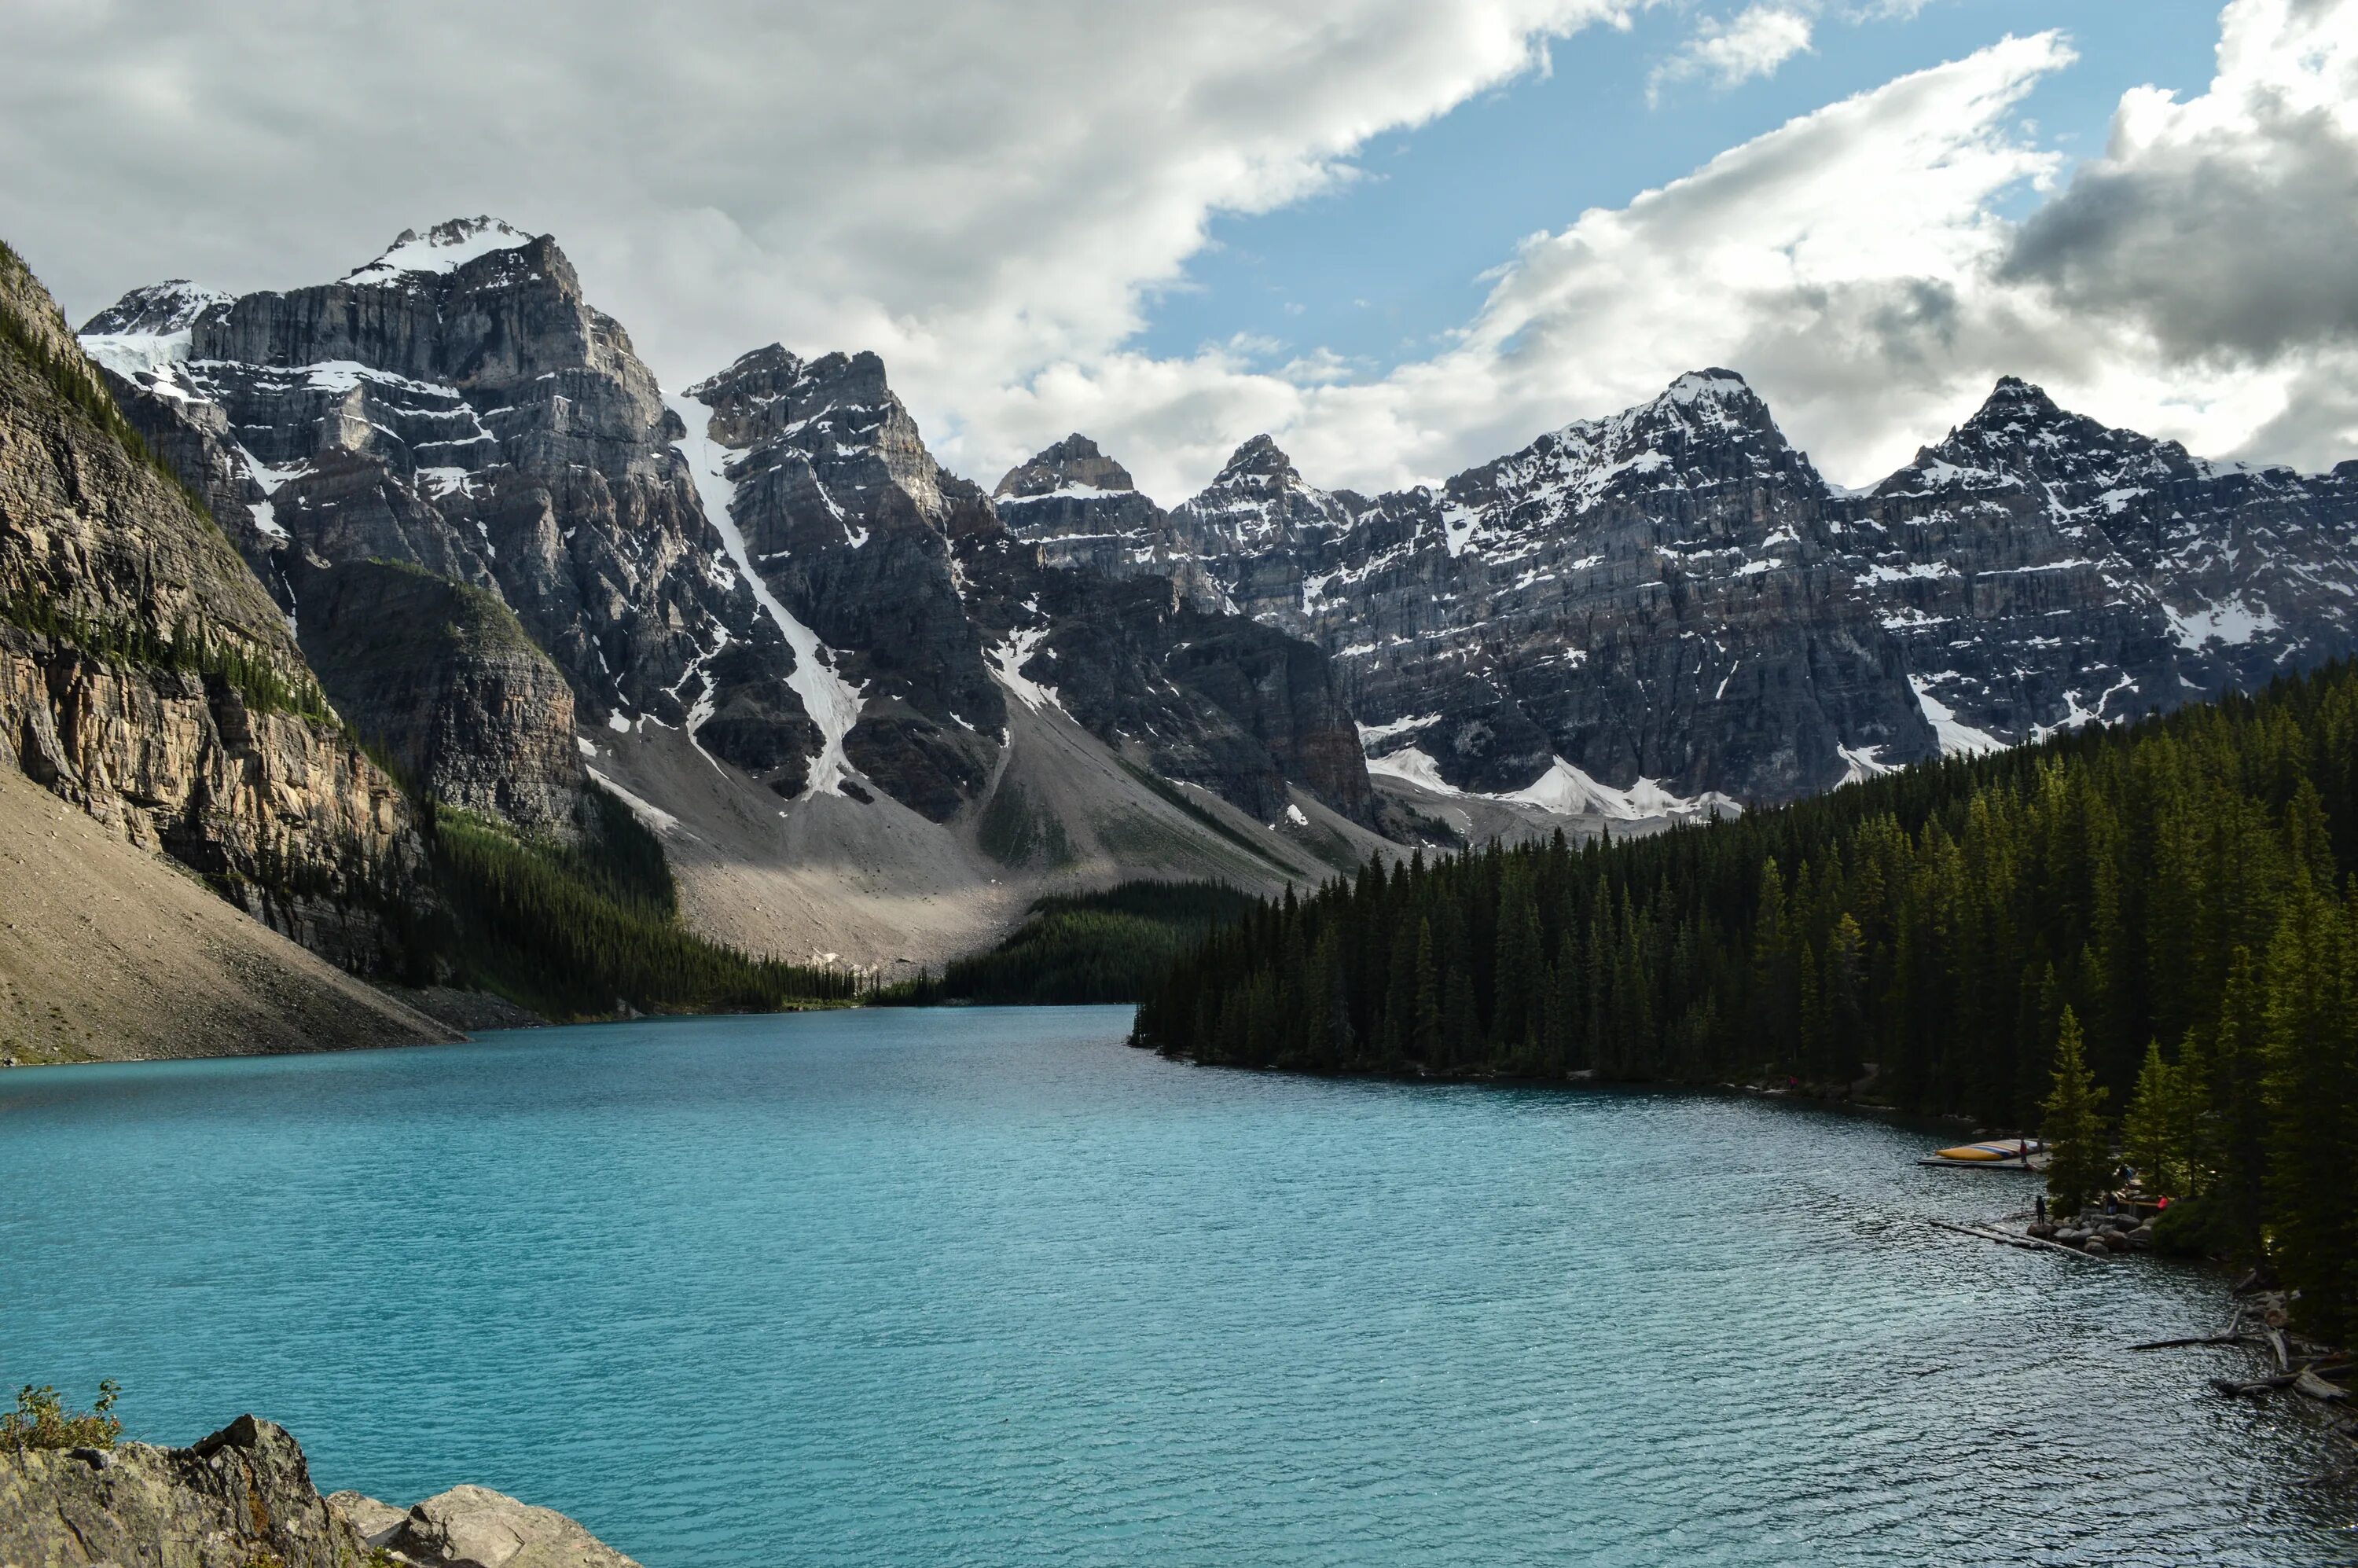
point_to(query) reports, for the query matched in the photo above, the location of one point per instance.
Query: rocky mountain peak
(1260, 458)
(1073, 464)
(2021, 437)
(171, 306)
(444, 248)
(141, 335)
(1713, 402)
(2015, 402)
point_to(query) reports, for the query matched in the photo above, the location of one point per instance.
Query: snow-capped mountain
(1648, 611)
(760, 606)
(764, 584)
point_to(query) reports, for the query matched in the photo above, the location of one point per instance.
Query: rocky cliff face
(848, 520)
(2042, 571)
(935, 607)
(1081, 508)
(441, 675)
(1203, 698)
(457, 405)
(244, 1497)
(1663, 609)
(146, 676)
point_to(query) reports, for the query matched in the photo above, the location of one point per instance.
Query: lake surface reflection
(987, 1286)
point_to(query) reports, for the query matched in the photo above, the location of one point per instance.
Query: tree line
(2167, 908)
(1105, 947)
(581, 929)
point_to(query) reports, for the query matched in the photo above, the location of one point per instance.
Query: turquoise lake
(987, 1286)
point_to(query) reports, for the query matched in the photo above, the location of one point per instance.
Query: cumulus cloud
(976, 191)
(1856, 265)
(991, 194)
(1754, 42)
(2228, 225)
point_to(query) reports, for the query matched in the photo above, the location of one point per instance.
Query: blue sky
(1379, 269)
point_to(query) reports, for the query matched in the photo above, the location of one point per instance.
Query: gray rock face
(442, 675)
(1212, 699)
(770, 561)
(1673, 603)
(457, 405)
(147, 677)
(1081, 509)
(849, 520)
(2041, 570)
(474, 1527)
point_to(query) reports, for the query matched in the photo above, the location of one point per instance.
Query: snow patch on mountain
(1564, 789)
(1957, 738)
(1007, 661)
(1374, 735)
(2232, 621)
(445, 247)
(832, 702)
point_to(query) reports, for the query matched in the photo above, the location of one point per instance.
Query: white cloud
(990, 194)
(1855, 266)
(976, 191)
(1754, 43)
(2229, 224)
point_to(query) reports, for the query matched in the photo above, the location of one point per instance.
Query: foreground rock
(245, 1496)
(474, 1527)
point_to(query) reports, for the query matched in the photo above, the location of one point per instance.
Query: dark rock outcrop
(241, 1496)
(441, 675)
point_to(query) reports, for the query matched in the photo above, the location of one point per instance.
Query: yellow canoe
(1997, 1149)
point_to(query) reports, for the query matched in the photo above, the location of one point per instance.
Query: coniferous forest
(1107, 946)
(582, 929)
(2173, 903)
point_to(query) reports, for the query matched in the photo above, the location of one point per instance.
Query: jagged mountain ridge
(762, 563)
(1643, 612)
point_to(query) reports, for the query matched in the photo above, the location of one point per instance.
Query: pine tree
(1425, 1037)
(2151, 1127)
(2079, 1155)
(2313, 1097)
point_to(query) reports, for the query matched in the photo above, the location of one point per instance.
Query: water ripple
(987, 1287)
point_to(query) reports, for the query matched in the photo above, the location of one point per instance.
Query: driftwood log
(2199, 1339)
(2256, 1385)
(2027, 1243)
(2317, 1388)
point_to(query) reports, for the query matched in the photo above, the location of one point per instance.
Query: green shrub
(41, 1420)
(2196, 1228)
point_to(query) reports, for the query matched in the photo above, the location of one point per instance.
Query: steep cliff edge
(146, 676)
(244, 1496)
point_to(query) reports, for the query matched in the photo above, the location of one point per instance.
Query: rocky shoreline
(243, 1497)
